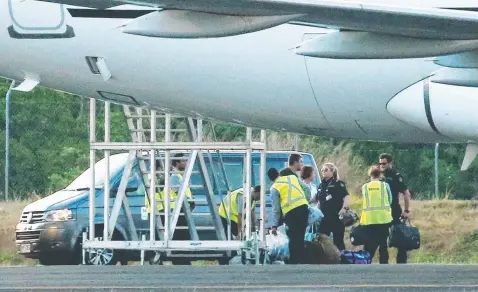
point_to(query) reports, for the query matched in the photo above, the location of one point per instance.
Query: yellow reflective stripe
(289, 197)
(383, 195)
(367, 198)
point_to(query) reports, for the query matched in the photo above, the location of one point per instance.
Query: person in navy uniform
(397, 186)
(333, 200)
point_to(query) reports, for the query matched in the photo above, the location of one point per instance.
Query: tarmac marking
(305, 286)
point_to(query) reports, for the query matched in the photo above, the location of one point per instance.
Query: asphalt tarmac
(242, 278)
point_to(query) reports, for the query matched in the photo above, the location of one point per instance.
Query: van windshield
(83, 181)
(234, 169)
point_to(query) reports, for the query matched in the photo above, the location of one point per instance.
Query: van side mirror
(128, 190)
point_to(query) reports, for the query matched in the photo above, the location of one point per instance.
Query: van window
(233, 171)
(234, 168)
(83, 181)
(270, 163)
(136, 181)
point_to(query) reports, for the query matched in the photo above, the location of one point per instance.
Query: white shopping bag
(315, 215)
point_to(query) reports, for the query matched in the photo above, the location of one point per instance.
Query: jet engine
(448, 110)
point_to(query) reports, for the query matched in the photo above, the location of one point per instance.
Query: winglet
(470, 154)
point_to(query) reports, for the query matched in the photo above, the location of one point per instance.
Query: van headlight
(59, 215)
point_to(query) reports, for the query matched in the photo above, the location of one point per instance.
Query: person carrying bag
(376, 215)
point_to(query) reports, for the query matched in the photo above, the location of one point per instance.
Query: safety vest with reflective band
(234, 211)
(291, 193)
(172, 195)
(375, 204)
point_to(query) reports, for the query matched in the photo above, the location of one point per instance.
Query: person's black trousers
(333, 225)
(179, 234)
(401, 253)
(296, 221)
(234, 228)
(378, 234)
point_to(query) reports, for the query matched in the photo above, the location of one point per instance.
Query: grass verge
(447, 228)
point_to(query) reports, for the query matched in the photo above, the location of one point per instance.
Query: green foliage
(416, 163)
(49, 138)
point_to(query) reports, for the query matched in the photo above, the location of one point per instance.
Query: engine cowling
(449, 110)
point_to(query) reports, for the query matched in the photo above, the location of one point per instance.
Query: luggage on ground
(321, 251)
(359, 235)
(278, 245)
(355, 257)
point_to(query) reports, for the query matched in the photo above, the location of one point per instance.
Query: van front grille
(32, 217)
(28, 235)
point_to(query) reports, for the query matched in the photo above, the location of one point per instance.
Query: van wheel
(101, 257)
(105, 256)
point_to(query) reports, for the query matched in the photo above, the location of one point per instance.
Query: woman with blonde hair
(334, 200)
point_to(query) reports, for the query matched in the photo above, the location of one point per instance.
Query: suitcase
(355, 257)
(404, 236)
(321, 251)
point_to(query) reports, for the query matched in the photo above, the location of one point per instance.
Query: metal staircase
(168, 128)
(156, 137)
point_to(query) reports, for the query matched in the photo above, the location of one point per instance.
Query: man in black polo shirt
(397, 186)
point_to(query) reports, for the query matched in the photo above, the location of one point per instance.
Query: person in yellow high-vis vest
(288, 198)
(234, 205)
(376, 214)
(176, 179)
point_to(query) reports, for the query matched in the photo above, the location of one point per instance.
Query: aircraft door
(38, 20)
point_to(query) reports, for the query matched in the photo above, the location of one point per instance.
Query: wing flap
(431, 23)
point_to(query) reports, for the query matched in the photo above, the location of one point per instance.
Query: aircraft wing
(431, 23)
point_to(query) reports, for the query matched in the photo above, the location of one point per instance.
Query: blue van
(51, 228)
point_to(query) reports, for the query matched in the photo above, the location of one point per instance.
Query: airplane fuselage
(252, 79)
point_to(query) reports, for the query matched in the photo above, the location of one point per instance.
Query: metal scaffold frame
(161, 233)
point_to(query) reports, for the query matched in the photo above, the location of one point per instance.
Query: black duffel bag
(359, 235)
(404, 236)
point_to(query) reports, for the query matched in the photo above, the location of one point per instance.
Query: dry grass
(447, 230)
(9, 216)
